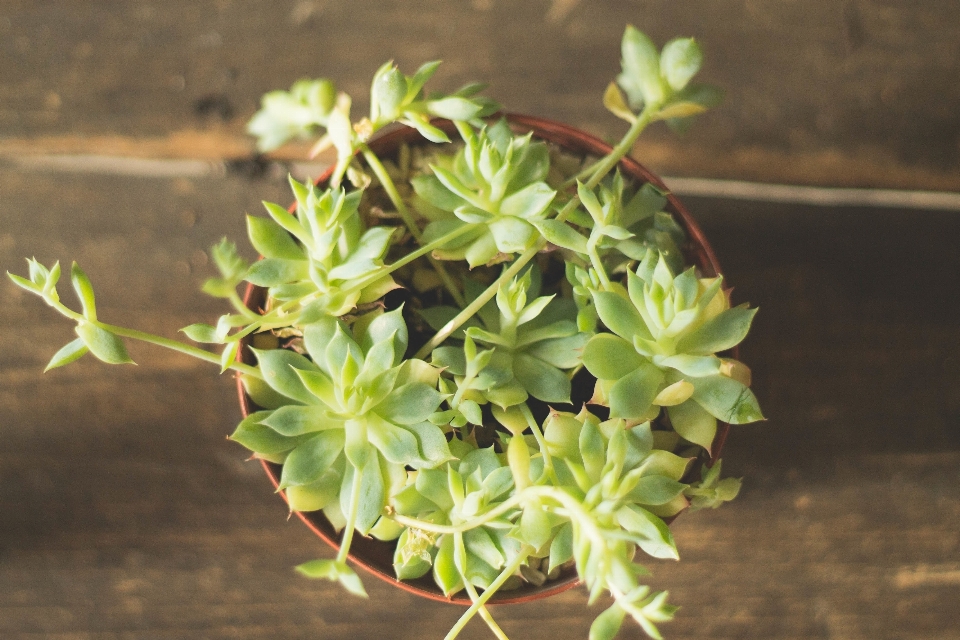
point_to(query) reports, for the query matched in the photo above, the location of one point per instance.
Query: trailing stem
(481, 600)
(388, 185)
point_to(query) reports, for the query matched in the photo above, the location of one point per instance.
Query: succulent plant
(665, 333)
(427, 423)
(494, 183)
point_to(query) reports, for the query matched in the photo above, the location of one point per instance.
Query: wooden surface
(124, 513)
(858, 92)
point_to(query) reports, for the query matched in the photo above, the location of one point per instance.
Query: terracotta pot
(377, 556)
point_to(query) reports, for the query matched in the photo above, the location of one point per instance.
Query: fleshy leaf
(693, 423)
(277, 367)
(610, 357)
(103, 344)
(726, 399)
(311, 459)
(718, 334)
(272, 240)
(70, 352)
(632, 395)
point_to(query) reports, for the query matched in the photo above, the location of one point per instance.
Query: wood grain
(127, 515)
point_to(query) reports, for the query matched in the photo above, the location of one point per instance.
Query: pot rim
(569, 138)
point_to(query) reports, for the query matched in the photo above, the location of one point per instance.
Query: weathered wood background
(125, 514)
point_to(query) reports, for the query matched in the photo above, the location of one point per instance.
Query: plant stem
(538, 434)
(471, 310)
(351, 524)
(410, 257)
(597, 263)
(388, 185)
(508, 571)
(472, 591)
(159, 341)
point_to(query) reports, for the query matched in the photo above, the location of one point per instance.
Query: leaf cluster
(443, 443)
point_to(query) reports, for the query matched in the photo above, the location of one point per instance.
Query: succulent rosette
(465, 490)
(353, 407)
(495, 183)
(530, 347)
(323, 257)
(665, 334)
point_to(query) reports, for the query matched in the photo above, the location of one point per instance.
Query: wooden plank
(126, 514)
(853, 93)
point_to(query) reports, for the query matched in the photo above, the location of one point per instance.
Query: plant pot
(377, 556)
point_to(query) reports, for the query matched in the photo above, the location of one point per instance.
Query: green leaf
(562, 235)
(103, 344)
(23, 283)
(562, 353)
(690, 366)
(396, 444)
(535, 526)
(81, 284)
(433, 191)
(229, 355)
(388, 92)
(592, 450)
(260, 438)
(657, 541)
(286, 220)
(471, 411)
(541, 380)
(433, 445)
(680, 61)
(640, 78)
(410, 403)
(512, 235)
(311, 459)
(609, 357)
(316, 495)
(271, 272)
(420, 77)
(453, 108)
(529, 202)
(607, 624)
(479, 543)
(680, 109)
(632, 395)
(202, 333)
(334, 571)
(726, 399)
(262, 394)
(409, 565)
(620, 316)
(229, 263)
(656, 490)
(297, 420)
(561, 549)
(693, 423)
(615, 104)
(383, 327)
(561, 433)
(278, 369)
(373, 494)
(316, 337)
(720, 333)
(272, 240)
(68, 353)
(445, 572)
(352, 269)
(427, 130)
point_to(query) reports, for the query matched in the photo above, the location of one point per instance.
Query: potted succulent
(491, 367)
